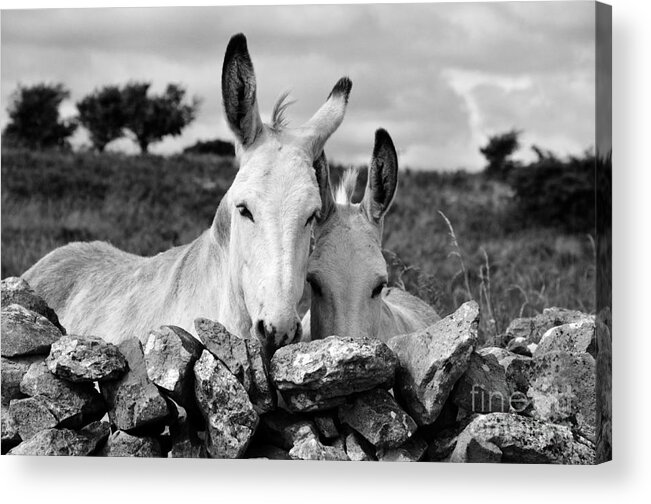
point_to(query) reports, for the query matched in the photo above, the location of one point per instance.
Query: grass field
(147, 204)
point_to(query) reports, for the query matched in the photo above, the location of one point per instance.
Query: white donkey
(247, 271)
(346, 271)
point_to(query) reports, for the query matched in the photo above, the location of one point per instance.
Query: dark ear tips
(236, 45)
(383, 141)
(342, 88)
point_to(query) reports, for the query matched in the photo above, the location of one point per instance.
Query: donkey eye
(316, 288)
(312, 217)
(378, 290)
(244, 212)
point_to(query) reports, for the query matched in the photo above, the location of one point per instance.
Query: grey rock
(483, 387)
(562, 390)
(15, 290)
(533, 328)
(319, 374)
(133, 401)
(9, 430)
(519, 346)
(282, 429)
(412, 450)
(13, 371)
(355, 449)
(31, 416)
(308, 447)
(170, 354)
(63, 442)
(25, 332)
(85, 359)
(498, 352)
(267, 451)
(325, 423)
(574, 337)
(226, 407)
(510, 438)
(243, 357)
(441, 447)
(378, 418)
(432, 360)
(72, 404)
(96, 433)
(122, 444)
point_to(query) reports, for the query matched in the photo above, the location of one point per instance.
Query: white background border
(628, 478)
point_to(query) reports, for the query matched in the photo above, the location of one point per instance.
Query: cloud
(440, 77)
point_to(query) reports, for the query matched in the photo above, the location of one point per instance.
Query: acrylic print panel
(408, 259)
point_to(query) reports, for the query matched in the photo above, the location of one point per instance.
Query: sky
(439, 77)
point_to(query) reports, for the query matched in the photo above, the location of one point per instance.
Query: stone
(432, 360)
(578, 337)
(122, 444)
(483, 387)
(519, 346)
(533, 328)
(133, 401)
(72, 404)
(562, 390)
(498, 352)
(96, 433)
(170, 354)
(63, 442)
(378, 418)
(31, 416)
(85, 359)
(441, 447)
(325, 424)
(509, 438)
(13, 371)
(318, 375)
(15, 290)
(306, 446)
(243, 357)
(9, 430)
(282, 429)
(356, 449)
(412, 450)
(226, 408)
(25, 332)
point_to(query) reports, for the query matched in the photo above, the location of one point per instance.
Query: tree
(34, 120)
(102, 114)
(151, 118)
(497, 152)
(217, 146)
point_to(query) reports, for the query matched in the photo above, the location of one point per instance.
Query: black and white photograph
(343, 233)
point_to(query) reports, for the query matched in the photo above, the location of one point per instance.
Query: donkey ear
(239, 92)
(382, 178)
(327, 119)
(322, 171)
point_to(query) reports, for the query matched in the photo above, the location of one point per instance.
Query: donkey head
(347, 271)
(273, 200)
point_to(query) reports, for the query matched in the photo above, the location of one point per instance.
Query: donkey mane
(278, 119)
(346, 188)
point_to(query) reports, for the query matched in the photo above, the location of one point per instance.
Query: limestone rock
(170, 354)
(244, 359)
(72, 404)
(509, 438)
(483, 387)
(267, 451)
(226, 407)
(15, 290)
(306, 446)
(13, 371)
(63, 442)
(432, 360)
(519, 346)
(121, 444)
(376, 416)
(283, 429)
(319, 374)
(574, 337)
(25, 332)
(133, 401)
(85, 359)
(325, 424)
(562, 390)
(31, 416)
(356, 448)
(412, 450)
(9, 430)
(533, 328)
